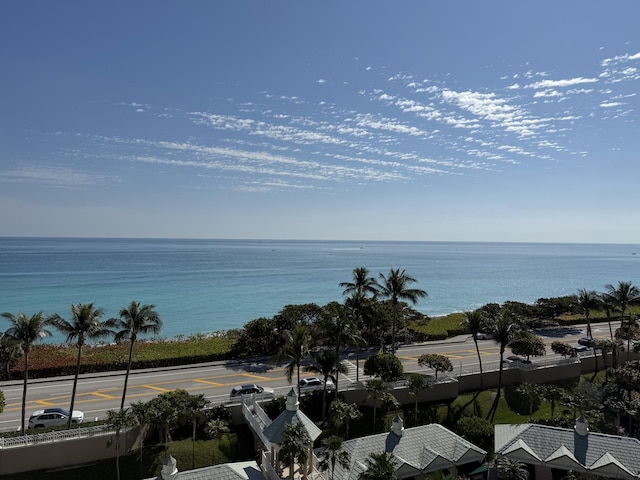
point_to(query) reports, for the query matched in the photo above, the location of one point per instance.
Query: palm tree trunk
(475, 340)
(126, 377)
(24, 388)
(393, 329)
(118, 455)
(75, 385)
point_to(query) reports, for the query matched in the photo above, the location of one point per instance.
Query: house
(416, 451)
(550, 452)
(227, 471)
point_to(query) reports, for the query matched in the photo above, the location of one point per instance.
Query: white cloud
(561, 83)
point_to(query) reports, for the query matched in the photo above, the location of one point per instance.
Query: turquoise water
(210, 285)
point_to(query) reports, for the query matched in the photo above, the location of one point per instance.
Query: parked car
(252, 388)
(482, 336)
(53, 416)
(314, 383)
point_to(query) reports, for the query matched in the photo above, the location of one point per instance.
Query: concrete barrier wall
(61, 453)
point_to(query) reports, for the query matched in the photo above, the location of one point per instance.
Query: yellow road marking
(251, 375)
(160, 389)
(103, 395)
(45, 403)
(216, 384)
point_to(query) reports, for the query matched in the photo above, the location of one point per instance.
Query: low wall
(60, 452)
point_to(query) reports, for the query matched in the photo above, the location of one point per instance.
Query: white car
(250, 389)
(53, 416)
(482, 336)
(314, 383)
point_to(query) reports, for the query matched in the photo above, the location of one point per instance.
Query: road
(98, 393)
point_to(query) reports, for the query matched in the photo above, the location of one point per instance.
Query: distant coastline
(218, 285)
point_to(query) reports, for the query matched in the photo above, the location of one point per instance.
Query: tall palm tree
(295, 348)
(502, 332)
(588, 300)
(216, 429)
(625, 294)
(341, 414)
(328, 365)
(295, 448)
(332, 454)
(358, 305)
(26, 331)
(84, 325)
(395, 287)
(135, 320)
(362, 284)
(380, 466)
(119, 419)
(192, 407)
(474, 323)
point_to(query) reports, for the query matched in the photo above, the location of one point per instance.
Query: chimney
(397, 426)
(292, 401)
(581, 427)
(169, 469)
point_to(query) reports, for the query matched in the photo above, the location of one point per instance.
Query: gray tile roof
(426, 448)
(610, 455)
(290, 416)
(227, 471)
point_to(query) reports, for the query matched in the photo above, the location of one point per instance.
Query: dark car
(252, 388)
(586, 341)
(514, 359)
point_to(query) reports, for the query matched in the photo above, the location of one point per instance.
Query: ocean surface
(201, 286)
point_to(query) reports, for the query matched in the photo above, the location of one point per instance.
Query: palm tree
(134, 320)
(394, 287)
(416, 382)
(328, 365)
(26, 331)
(295, 448)
(474, 324)
(502, 336)
(84, 325)
(625, 294)
(295, 348)
(380, 466)
(377, 391)
(119, 419)
(192, 407)
(333, 454)
(357, 306)
(588, 300)
(512, 470)
(362, 284)
(216, 429)
(341, 414)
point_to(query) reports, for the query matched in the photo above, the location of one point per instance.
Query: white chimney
(397, 426)
(581, 427)
(292, 401)
(169, 469)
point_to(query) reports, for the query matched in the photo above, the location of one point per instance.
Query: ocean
(201, 286)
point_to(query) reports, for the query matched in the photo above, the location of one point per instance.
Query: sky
(512, 121)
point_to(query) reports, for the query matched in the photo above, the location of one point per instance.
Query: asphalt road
(98, 393)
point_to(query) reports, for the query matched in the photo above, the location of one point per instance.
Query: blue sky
(361, 120)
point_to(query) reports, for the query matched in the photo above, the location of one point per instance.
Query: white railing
(50, 437)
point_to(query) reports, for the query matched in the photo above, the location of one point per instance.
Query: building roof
(290, 416)
(227, 471)
(423, 449)
(570, 449)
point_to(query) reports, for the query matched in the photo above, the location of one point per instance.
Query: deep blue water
(209, 285)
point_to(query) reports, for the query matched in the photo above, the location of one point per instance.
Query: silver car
(53, 416)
